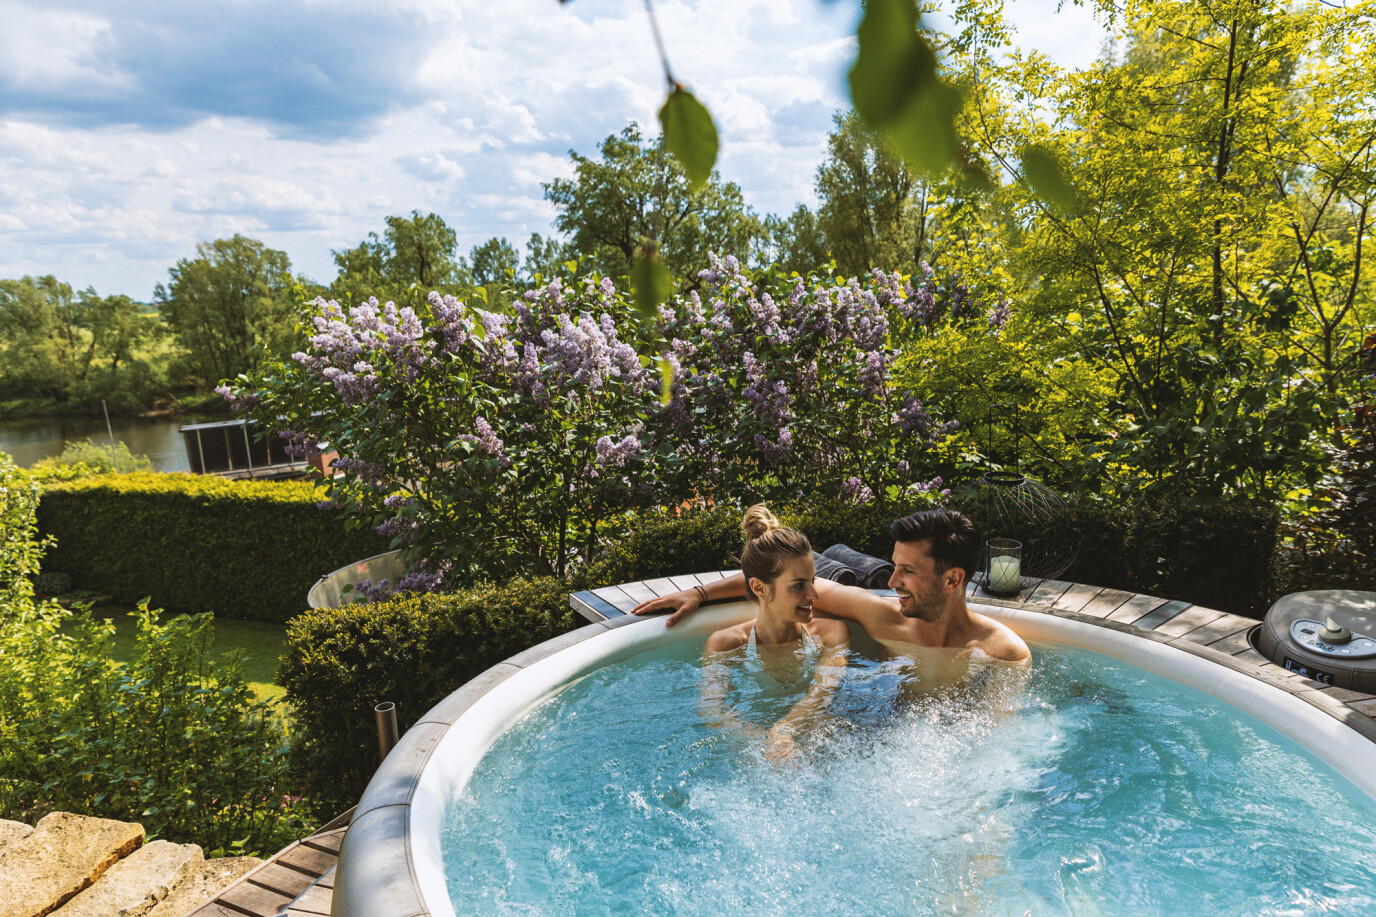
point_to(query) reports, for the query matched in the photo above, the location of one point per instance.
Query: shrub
(411, 650)
(172, 739)
(502, 443)
(85, 457)
(240, 549)
(20, 548)
(1217, 553)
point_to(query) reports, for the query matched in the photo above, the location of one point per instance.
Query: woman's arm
(826, 679)
(715, 687)
(686, 601)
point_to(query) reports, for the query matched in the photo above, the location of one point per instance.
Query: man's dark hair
(955, 542)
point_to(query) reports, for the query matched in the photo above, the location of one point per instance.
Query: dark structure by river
(29, 440)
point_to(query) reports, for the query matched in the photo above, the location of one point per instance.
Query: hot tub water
(1105, 790)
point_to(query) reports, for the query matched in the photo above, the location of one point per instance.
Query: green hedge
(1220, 553)
(412, 651)
(240, 549)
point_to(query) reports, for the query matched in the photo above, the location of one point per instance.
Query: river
(31, 439)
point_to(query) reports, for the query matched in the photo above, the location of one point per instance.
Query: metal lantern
(1013, 506)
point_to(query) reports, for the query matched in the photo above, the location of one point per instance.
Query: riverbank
(200, 403)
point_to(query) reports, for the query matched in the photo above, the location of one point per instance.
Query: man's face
(921, 590)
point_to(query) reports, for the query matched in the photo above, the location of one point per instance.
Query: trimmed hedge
(240, 549)
(412, 651)
(1218, 553)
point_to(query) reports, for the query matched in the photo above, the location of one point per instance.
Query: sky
(131, 131)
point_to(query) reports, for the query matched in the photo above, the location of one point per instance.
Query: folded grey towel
(834, 570)
(870, 572)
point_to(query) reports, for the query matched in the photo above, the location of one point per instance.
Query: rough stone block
(206, 880)
(133, 885)
(11, 831)
(65, 854)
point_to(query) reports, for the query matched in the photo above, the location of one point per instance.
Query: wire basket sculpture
(1012, 505)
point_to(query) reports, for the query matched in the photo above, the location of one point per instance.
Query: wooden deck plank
(1190, 619)
(685, 581)
(659, 585)
(1221, 628)
(614, 597)
(1161, 614)
(1106, 603)
(212, 909)
(712, 576)
(1135, 608)
(313, 863)
(1076, 597)
(316, 900)
(328, 841)
(327, 880)
(638, 591)
(584, 610)
(1346, 695)
(1367, 707)
(1233, 644)
(1048, 592)
(289, 882)
(254, 900)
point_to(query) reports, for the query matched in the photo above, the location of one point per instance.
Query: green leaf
(666, 381)
(1044, 174)
(689, 135)
(895, 86)
(650, 282)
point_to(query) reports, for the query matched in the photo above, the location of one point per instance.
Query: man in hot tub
(928, 622)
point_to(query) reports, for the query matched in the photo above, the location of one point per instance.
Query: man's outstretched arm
(686, 601)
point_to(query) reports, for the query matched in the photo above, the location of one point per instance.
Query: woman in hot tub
(784, 649)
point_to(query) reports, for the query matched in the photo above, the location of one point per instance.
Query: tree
(1210, 268)
(796, 244)
(547, 259)
(635, 195)
(228, 305)
(415, 256)
(876, 211)
(493, 262)
(45, 345)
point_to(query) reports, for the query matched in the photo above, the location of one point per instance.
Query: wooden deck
(296, 882)
(299, 881)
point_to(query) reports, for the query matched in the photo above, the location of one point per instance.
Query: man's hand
(682, 604)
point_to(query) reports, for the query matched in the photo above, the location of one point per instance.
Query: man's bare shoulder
(729, 638)
(998, 640)
(830, 631)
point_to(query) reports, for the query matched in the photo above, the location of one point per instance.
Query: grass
(262, 644)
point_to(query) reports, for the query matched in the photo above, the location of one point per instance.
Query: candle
(1004, 574)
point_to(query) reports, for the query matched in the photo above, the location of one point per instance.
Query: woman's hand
(682, 604)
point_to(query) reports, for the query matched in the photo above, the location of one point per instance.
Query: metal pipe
(387, 735)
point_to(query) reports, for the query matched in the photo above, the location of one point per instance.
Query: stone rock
(64, 855)
(11, 831)
(136, 883)
(207, 880)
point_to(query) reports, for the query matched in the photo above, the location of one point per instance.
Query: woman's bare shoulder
(729, 638)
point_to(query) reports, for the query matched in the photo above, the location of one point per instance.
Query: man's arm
(685, 602)
(870, 611)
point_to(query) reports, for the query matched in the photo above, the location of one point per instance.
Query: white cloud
(130, 132)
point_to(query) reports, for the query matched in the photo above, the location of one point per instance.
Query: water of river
(31, 439)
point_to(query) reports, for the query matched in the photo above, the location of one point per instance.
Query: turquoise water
(1102, 790)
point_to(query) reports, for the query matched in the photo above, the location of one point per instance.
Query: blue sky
(130, 131)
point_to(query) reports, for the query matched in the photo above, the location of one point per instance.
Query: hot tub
(393, 859)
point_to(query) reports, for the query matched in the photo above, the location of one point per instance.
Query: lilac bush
(489, 443)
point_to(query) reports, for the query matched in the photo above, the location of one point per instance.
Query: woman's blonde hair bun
(758, 522)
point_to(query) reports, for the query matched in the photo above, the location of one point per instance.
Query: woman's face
(792, 593)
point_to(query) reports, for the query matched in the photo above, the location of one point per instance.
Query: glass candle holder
(1004, 571)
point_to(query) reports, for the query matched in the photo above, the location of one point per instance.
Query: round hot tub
(579, 778)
